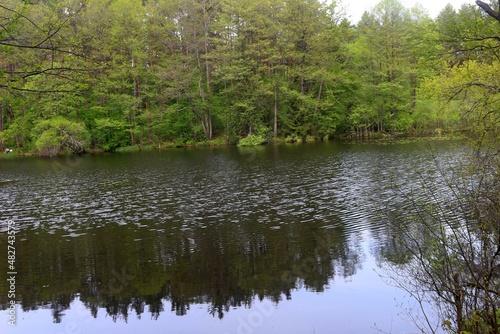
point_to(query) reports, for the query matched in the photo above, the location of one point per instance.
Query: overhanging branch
(36, 90)
(488, 10)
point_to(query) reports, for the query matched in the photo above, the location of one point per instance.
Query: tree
(32, 47)
(58, 134)
(189, 71)
(452, 237)
(31, 42)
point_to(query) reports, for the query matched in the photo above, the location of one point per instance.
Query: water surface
(272, 239)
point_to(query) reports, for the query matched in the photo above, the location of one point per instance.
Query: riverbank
(221, 141)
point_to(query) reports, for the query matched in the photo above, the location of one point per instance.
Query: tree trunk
(131, 131)
(206, 118)
(275, 128)
(458, 299)
(317, 103)
(1, 126)
(137, 94)
(206, 109)
(150, 139)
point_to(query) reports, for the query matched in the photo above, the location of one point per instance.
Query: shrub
(110, 134)
(58, 134)
(252, 140)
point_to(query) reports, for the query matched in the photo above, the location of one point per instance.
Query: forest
(92, 75)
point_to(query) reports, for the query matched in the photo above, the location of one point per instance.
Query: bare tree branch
(484, 6)
(21, 16)
(2, 86)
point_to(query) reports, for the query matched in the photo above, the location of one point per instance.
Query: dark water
(274, 239)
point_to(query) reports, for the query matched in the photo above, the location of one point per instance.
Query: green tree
(58, 135)
(188, 71)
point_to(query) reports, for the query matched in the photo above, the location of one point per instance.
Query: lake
(270, 239)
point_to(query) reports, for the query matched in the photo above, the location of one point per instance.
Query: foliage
(252, 140)
(148, 72)
(126, 73)
(109, 134)
(58, 134)
(475, 89)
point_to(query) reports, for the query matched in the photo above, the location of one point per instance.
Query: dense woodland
(79, 75)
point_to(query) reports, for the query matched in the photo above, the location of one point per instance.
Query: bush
(49, 143)
(110, 134)
(252, 140)
(59, 134)
(449, 236)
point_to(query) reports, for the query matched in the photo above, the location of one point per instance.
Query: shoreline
(219, 143)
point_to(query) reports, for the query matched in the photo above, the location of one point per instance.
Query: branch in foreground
(488, 10)
(36, 90)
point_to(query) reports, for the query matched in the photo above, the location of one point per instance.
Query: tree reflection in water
(126, 269)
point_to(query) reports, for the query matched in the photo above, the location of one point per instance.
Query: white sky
(355, 8)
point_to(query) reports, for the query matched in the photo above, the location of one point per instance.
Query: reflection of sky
(362, 306)
(348, 306)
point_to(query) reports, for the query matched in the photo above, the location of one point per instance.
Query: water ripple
(335, 184)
